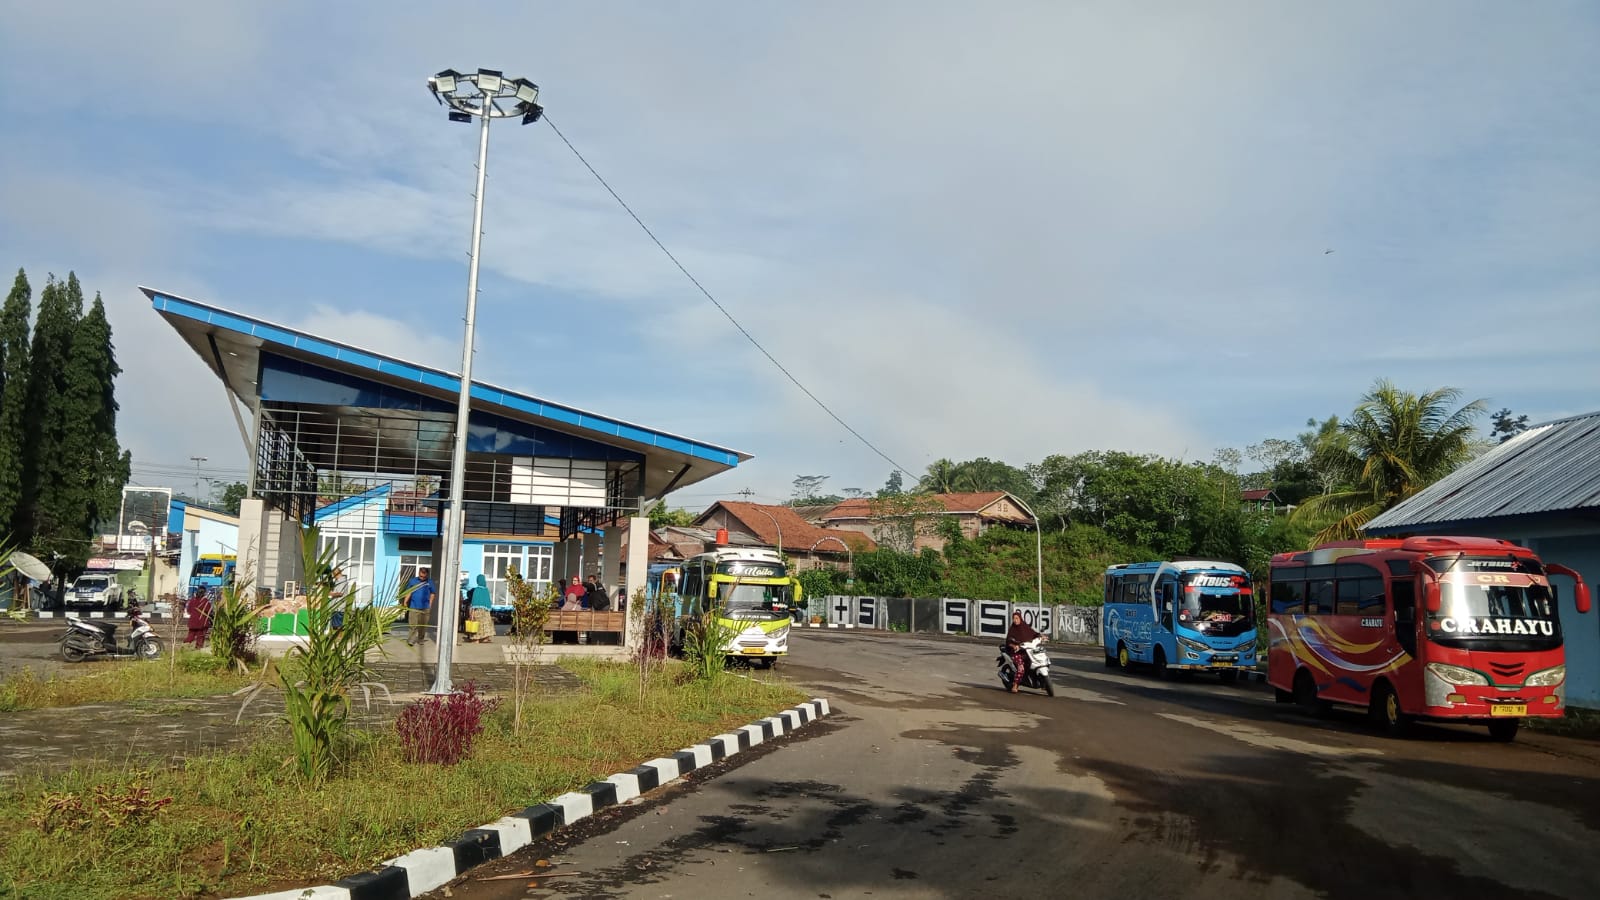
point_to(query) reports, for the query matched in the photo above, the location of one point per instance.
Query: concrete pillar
(638, 573)
(571, 560)
(611, 559)
(250, 560)
(591, 555)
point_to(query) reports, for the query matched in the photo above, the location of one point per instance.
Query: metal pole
(451, 555)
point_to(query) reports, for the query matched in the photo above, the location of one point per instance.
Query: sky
(1005, 230)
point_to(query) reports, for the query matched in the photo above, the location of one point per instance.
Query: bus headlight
(1194, 646)
(1456, 674)
(1548, 677)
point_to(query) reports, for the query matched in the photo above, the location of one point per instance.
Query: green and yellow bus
(750, 591)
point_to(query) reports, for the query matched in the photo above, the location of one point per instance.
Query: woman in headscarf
(479, 601)
(1020, 633)
(198, 611)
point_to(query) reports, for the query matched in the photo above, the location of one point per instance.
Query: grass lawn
(242, 822)
(197, 675)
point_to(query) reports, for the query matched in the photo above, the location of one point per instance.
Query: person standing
(198, 610)
(480, 609)
(419, 599)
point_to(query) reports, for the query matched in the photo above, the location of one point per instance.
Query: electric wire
(714, 302)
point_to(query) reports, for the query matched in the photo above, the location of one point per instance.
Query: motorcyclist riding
(1020, 633)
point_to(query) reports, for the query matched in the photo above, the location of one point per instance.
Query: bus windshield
(744, 597)
(1505, 617)
(1212, 609)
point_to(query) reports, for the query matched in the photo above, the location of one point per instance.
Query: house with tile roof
(910, 521)
(780, 527)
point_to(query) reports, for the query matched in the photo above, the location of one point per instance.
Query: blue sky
(1011, 231)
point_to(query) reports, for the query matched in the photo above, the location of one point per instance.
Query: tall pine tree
(13, 396)
(52, 473)
(92, 372)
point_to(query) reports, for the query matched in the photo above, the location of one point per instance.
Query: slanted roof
(1549, 468)
(962, 504)
(798, 534)
(233, 345)
(1257, 496)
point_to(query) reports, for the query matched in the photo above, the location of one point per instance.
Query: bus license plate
(754, 651)
(1509, 709)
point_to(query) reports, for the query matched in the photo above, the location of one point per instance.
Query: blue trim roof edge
(164, 302)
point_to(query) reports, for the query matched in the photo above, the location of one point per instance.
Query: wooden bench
(585, 620)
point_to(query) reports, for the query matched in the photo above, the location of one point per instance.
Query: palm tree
(942, 477)
(1399, 443)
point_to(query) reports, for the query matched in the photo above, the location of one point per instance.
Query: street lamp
(488, 95)
(1038, 547)
(774, 525)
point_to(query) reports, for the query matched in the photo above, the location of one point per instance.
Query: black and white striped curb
(421, 871)
(88, 614)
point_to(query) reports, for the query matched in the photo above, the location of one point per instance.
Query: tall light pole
(1038, 547)
(488, 95)
(775, 524)
(197, 461)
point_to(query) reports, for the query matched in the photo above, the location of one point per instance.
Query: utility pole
(746, 494)
(197, 461)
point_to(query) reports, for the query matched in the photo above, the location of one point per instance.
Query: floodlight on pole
(1038, 545)
(486, 95)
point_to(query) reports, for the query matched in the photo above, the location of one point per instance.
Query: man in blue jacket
(419, 597)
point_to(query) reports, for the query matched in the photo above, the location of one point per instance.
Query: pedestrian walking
(419, 599)
(481, 604)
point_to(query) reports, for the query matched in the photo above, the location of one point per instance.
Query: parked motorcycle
(86, 639)
(1036, 662)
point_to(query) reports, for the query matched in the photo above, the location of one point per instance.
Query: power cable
(720, 308)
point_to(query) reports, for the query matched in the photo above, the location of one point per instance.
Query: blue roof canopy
(240, 350)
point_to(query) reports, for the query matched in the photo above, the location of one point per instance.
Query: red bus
(1448, 628)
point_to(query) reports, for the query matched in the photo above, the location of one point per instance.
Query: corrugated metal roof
(1548, 468)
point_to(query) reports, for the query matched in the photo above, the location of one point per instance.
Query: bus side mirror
(1580, 597)
(1430, 596)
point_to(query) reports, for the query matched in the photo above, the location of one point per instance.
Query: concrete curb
(37, 614)
(420, 871)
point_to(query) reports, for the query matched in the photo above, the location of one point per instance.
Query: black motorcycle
(86, 639)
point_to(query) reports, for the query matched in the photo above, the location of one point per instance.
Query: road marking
(1258, 738)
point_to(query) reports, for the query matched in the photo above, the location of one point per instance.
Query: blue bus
(1185, 615)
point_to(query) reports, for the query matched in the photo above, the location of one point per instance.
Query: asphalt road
(929, 781)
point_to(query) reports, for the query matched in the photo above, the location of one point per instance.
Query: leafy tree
(14, 397)
(661, 516)
(233, 495)
(1327, 451)
(1399, 443)
(806, 488)
(1506, 426)
(940, 478)
(900, 519)
(895, 484)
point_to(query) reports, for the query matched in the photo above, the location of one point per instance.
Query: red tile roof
(1255, 495)
(969, 503)
(798, 534)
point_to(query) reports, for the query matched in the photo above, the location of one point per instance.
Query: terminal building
(359, 445)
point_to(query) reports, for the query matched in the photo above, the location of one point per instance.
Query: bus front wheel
(1385, 710)
(1161, 664)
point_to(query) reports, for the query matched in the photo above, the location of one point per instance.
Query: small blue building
(1540, 489)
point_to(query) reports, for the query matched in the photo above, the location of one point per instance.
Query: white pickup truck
(94, 590)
